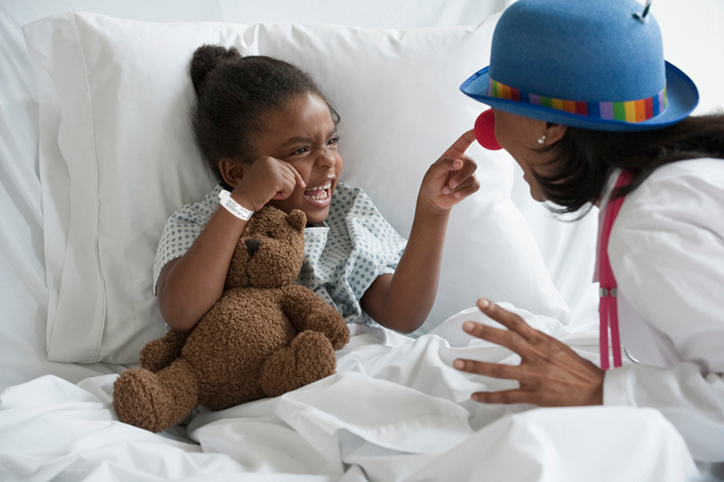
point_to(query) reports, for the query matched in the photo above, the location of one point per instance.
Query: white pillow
(117, 158)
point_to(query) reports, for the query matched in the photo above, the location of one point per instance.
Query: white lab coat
(667, 254)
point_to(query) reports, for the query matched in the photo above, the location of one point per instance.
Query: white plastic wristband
(234, 207)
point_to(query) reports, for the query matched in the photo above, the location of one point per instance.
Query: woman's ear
(555, 132)
(231, 171)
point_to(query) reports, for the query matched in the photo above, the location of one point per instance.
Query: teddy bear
(265, 336)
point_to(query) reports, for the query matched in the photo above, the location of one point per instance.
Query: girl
(594, 116)
(270, 136)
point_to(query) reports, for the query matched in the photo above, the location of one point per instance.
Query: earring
(542, 139)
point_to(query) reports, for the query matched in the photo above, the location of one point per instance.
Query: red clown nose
(485, 131)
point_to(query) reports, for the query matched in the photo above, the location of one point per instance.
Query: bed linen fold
(395, 411)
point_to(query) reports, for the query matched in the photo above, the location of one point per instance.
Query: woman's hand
(452, 177)
(550, 374)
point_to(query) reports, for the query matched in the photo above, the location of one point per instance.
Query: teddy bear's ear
(297, 219)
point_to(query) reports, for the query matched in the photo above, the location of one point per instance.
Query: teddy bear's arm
(307, 311)
(160, 353)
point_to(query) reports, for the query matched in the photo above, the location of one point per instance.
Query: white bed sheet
(396, 411)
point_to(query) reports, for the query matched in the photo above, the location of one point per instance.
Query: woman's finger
(492, 370)
(509, 320)
(507, 338)
(503, 396)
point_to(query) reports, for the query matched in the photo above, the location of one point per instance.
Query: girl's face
(519, 136)
(304, 135)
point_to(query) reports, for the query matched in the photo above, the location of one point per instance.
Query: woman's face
(304, 135)
(519, 136)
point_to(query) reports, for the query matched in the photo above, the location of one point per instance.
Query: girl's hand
(452, 177)
(266, 179)
(550, 373)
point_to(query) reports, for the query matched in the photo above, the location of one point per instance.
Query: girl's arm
(402, 301)
(188, 286)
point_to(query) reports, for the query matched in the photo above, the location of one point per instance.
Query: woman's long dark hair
(584, 159)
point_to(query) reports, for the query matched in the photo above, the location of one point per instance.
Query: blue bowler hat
(596, 64)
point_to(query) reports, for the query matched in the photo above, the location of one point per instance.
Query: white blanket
(395, 411)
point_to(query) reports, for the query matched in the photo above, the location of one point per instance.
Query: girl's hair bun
(206, 58)
(235, 96)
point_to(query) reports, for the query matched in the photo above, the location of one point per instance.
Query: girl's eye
(301, 150)
(334, 140)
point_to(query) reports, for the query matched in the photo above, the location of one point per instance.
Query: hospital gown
(342, 257)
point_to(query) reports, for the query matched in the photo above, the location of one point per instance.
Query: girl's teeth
(318, 198)
(318, 193)
(322, 190)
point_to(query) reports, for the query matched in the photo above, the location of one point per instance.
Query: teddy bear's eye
(269, 234)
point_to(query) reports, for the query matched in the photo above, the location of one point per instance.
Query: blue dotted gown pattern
(342, 257)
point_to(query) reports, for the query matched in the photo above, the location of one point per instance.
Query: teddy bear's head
(271, 250)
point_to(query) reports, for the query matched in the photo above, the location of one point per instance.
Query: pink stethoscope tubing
(607, 306)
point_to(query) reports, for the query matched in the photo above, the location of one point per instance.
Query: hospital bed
(96, 153)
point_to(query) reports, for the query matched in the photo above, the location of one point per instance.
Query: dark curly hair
(584, 159)
(235, 94)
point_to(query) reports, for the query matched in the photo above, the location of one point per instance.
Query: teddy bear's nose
(252, 246)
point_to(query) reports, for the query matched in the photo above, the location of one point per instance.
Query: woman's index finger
(509, 320)
(457, 150)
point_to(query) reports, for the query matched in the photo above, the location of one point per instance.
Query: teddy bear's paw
(331, 324)
(148, 401)
(310, 357)
(160, 353)
(137, 396)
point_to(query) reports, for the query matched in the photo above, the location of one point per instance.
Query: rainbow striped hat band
(592, 64)
(628, 111)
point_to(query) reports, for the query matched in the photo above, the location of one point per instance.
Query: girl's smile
(320, 195)
(304, 135)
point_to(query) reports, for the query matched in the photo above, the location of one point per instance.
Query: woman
(584, 102)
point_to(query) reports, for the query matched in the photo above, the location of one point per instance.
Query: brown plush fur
(264, 337)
